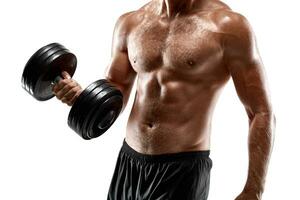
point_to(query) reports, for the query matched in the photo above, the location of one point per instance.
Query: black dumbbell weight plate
(31, 67)
(89, 103)
(42, 90)
(44, 66)
(81, 99)
(98, 99)
(81, 105)
(34, 66)
(58, 60)
(103, 114)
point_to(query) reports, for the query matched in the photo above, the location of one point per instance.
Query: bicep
(247, 71)
(250, 83)
(119, 70)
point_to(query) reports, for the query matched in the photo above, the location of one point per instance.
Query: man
(183, 53)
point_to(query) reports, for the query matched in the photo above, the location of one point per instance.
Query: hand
(67, 90)
(248, 196)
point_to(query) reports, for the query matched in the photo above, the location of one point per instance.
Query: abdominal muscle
(170, 116)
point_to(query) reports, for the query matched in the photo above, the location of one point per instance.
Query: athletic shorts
(182, 176)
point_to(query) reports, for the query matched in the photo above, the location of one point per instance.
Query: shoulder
(232, 24)
(127, 21)
(224, 19)
(237, 36)
(124, 25)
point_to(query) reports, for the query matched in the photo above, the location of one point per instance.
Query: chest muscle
(185, 46)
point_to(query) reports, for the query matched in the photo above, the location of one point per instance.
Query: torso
(181, 73)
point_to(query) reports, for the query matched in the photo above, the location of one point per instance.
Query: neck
(174, 7)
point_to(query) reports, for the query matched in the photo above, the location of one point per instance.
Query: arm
(120, 72)
(244, 64)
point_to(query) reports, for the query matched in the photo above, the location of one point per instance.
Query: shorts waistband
(190, 155)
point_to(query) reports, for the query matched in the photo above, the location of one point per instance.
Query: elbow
(272, 118)
(262, 113)
(265, 119)
(116, 84)
(270, 115)
(266, 115)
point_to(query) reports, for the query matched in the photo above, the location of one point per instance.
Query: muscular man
(182, 53)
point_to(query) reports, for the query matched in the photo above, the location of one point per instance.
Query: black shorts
(182, 176)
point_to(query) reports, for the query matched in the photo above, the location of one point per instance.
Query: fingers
(58, 86)
(66, 75)
(67, 90)
(71, 101)
(69, 95)
(69, 87)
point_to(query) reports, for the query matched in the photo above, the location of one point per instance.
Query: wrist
(253, 189)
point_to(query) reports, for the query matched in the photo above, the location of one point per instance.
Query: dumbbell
(95, 109)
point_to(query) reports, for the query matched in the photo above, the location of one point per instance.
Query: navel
(150, 125)
(191, 63)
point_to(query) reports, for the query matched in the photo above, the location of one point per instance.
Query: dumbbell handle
(56, 80)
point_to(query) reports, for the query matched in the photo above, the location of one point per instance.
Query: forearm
(260, 143)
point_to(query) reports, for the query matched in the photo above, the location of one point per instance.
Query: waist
(165, 157)
(162, 139)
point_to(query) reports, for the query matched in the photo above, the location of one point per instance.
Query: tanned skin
(183, 53)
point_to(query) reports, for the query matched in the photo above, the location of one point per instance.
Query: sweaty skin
(183, 53)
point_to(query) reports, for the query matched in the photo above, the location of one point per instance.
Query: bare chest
(184, 46)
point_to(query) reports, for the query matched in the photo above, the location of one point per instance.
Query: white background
(42, 158)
